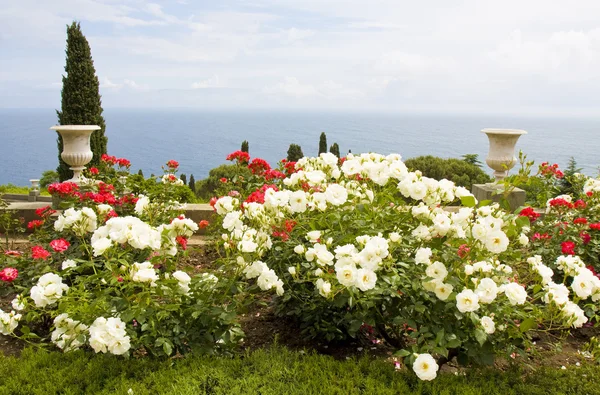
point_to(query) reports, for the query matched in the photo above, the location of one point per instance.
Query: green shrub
(294, 153)
(206, 188)
(154, 189)
(458, 171)
(48, 177)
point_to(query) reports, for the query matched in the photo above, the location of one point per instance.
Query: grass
(11, 188)
(274, 371)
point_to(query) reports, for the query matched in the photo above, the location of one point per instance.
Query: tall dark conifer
(245, 146)
(335, 149)
(80, 97)
(322, 143)
(294, 153)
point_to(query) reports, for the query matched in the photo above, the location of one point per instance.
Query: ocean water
(200, 140)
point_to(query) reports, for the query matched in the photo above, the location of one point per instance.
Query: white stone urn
(76, 147)
(35, 185)
(501, 157)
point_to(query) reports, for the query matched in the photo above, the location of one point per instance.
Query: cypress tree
(80, 97)
(245, 146)
(335, 149)
(322, 143)
(192, 183)
(140, 172)
(183, 178)
(294, 153)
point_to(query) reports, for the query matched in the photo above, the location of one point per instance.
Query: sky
(459, 56)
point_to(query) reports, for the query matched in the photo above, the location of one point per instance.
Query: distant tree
(569, 182)
(456, 170)
(472, 159)
(80, 97)
(140, 172)
(245, 146)
(294, 153)
(322, 143)
(48, 177)
(183, 178)
(335, 149)
(192, 183)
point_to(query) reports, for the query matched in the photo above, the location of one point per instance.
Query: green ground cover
(274, 371)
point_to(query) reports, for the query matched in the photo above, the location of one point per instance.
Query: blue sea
(200, 140)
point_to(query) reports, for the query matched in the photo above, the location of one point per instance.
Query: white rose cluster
(8, 322)
(184, 281)
(591, 185)
(584, 285)
(80, 222)
(266, 278)
(109, 335)
(48, 290)
(171, 179)
(125, 230)
(144, 273)
(68, 334)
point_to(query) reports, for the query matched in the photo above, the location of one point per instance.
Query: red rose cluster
(240, 157)
(547, 169)
(112, 160)
(172, 164)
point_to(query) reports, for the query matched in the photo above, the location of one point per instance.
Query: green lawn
(10, 188)
(276, 371)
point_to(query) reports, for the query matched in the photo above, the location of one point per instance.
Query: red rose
(12, 253)
(213, 201)
(9, 274)
(203, 224)
(182, 241)
(463, 251)
(60, 245)
(44, 212)
(94, 171)
(579, 221)
(568, 247)
(35, 224)
(223, 180)
(579, 204)
(530, 213)
(172, 164)
(595, 226)
(589, 193)
(585, 237)
(38, 252)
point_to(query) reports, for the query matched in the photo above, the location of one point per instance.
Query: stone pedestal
(33, 195)
(493, 192)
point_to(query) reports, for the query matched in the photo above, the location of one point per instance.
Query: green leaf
(468, 201)
(527, 324)
(522, 221)
(480, 336)
(402, 353)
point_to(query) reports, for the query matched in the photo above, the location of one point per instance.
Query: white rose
(488, 325)
(443, 290)
(365, 279)
(425, 367)
(467, 301)
(515, 293)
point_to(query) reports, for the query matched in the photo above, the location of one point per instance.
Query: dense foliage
(80, 97)
(458, 171)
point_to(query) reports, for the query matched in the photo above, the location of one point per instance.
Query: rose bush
(106, 273)
(363, 243)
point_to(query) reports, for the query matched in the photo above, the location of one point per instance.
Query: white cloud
(290, 86)
(212, 82)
